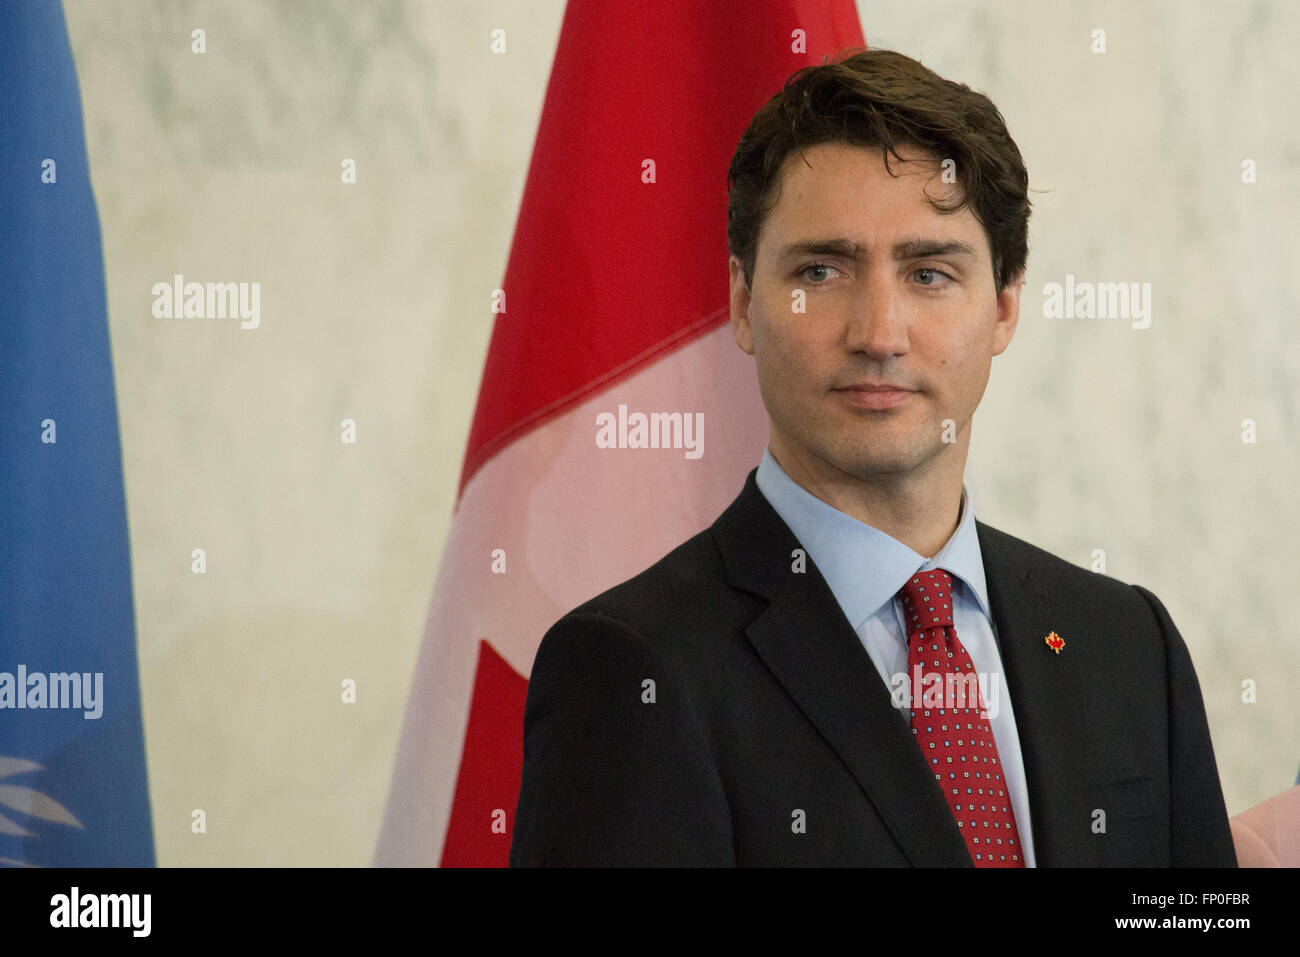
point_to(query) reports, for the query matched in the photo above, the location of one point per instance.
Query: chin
(892, 451)
(873, 462)
(881, 466)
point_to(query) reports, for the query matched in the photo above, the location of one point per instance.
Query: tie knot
(927, 601)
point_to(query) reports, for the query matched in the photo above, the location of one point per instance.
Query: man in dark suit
(769, 692)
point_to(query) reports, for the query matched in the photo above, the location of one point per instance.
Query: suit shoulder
(1066, 577)
(690, 576)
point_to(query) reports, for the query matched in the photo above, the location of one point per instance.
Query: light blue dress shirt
(865, 568)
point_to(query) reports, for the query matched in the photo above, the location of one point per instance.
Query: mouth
(875, 396)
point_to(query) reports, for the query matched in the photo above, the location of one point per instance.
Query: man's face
(896, 295)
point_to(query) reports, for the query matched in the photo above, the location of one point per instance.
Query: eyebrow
(906, 249)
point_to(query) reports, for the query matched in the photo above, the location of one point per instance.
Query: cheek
(968, 371)
(777, 371)
(965, 354)
(781, 343)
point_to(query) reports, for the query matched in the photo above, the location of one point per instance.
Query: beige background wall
(225, 166)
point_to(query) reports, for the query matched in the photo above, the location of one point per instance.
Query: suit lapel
(811, 649)
(1052, 712)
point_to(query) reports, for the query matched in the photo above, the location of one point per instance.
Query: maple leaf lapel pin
(1054, 641)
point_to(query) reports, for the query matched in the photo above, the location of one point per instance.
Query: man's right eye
(816, 272)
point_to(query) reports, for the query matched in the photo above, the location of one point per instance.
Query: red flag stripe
(487, 785)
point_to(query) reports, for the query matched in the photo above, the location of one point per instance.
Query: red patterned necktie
(950, 725)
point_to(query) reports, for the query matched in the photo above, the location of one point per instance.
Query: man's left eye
(931, 277)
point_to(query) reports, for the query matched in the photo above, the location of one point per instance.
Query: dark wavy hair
(880, 98)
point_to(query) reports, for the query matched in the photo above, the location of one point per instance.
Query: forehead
(845, 190)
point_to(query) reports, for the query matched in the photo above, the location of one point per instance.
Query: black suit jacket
(688, 715)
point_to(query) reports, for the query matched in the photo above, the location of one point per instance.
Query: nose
(877, 321)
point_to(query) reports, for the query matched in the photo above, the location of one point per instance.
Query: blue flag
(73, 790)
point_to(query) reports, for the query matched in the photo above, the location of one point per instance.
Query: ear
(740, 327)
(1008, 314)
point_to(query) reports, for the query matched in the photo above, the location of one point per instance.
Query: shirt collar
(863, 566)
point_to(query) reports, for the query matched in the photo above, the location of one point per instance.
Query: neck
(920, 510)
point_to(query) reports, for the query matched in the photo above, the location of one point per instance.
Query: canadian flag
(616, 416)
